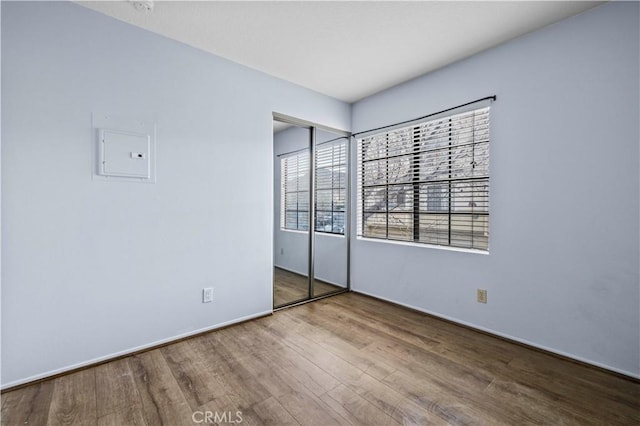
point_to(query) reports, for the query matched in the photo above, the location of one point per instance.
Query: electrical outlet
(207, 295)
(482, 295)
(281, 251)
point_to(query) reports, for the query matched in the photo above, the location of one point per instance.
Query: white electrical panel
(124, 147)
(124, 154)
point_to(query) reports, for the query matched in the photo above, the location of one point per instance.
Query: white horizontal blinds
(295, 191)
(330, 186)
(428, 182)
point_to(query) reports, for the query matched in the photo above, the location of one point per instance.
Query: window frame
(338, 186)
(285, 172)
(466, 197)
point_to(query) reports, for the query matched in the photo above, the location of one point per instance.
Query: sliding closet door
(311, 212)
(292, 213)
(330, 252)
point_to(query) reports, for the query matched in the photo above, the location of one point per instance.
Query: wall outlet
(207, 295)
(482, 295)
(281, 251)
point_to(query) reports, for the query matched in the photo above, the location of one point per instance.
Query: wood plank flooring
(348, 359)
(290, 287)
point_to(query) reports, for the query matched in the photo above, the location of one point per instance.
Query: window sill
(328, 234)
(422, 245)
(294, 231)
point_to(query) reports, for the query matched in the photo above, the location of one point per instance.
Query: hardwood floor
(290, 287)
(348, 359)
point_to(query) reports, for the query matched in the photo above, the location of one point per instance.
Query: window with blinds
(294, 208)
(330, 188)
(427, 183)
(331, 172)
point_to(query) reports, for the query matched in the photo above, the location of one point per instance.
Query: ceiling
(347, 49)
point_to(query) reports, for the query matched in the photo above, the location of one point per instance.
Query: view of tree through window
(330, 188)
(427, 183)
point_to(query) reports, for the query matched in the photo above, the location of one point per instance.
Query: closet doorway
(311, 211)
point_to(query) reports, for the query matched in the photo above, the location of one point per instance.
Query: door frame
(312, 207)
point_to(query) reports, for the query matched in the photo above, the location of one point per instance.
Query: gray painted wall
(93, 269)
(562, 272)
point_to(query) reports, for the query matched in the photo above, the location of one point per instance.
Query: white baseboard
(130, 350)
(304, 275)
(293, 271)
(504, 335)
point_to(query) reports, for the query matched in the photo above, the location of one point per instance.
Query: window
(427, 183)
(294, 208)
(331, 170)
(330, 189)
